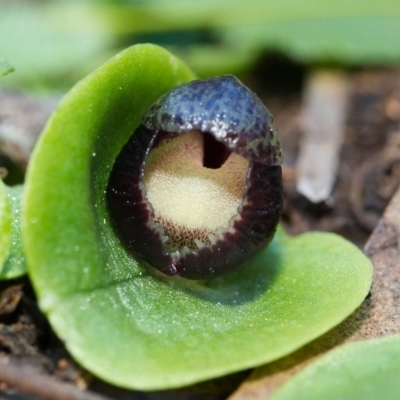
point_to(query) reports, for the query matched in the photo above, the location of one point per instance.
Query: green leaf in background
(46, 55)
(53, 43)
(12, 261)
(354, 32)
(344, 39)
(5, 67)
(361, 370)
(133, 326)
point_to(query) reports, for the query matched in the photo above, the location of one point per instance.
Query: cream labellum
(197, 190)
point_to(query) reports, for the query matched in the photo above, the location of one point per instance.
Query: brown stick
(324, 109)
(29, 381)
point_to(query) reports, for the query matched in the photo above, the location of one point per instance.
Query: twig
(29, 381)
(324, 113)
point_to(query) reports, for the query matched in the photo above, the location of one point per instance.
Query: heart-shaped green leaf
(127, 323)
(362, 370)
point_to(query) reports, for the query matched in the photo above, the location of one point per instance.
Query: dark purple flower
(197, 190)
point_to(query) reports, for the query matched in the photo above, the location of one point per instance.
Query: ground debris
(9, 299)
(325, 104)
(21, 120)
(377, 317)
(375, 182)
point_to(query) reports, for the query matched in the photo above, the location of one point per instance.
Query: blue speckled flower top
(225, 108)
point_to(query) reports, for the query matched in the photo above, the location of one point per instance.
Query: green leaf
(45, 54)
(5, 224)
(345, 31)
(5, 67)
(346, 39)
(15, 264)
(211, 60)
(361, 370)
(12, 261)
(127, 323)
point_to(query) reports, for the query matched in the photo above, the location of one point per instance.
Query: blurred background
(53, 43)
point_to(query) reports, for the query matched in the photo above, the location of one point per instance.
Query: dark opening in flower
(197, 189)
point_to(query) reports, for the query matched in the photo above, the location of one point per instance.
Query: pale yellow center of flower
(188, 197)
